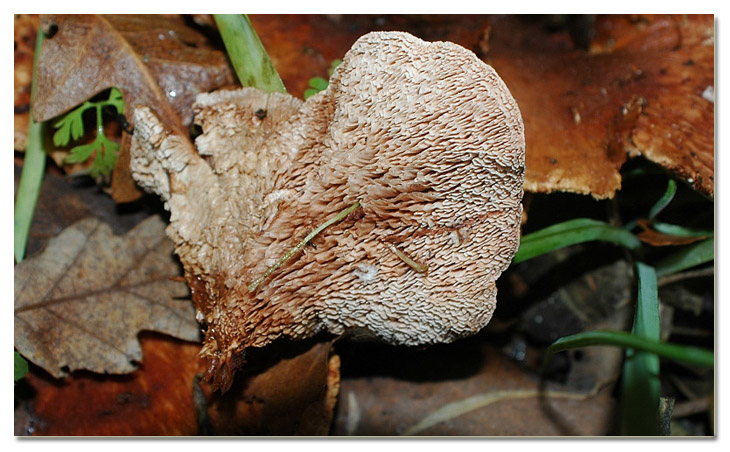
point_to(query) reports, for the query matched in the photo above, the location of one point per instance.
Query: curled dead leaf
(81, 303)
(656, 238)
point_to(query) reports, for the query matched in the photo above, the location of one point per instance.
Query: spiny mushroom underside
(424, 136)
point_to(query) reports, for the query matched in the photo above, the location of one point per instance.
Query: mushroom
(406, 173)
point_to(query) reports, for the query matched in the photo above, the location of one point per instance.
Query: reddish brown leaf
(294, 394)
(155, 400)
(82, 302)
(302, 46)
(656, 238)
(153, 60)
(584, 110)
(290, 395)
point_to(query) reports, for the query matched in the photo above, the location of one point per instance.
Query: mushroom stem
(420, 268)
(300, 245)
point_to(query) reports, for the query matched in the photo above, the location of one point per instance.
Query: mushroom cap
(425, 136)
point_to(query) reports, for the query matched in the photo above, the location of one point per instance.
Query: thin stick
(300, 245)
(420, 268)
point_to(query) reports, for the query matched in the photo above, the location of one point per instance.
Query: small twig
(300, 245)
(420, 268)
(686, 275)
(684, 409)
(455, 409)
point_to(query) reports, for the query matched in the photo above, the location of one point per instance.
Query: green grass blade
(681, 231)
(571, 232)
(640, 377)
(250, 60)
(34, 166)
(664, 200)
(674, 352)
(688, 257)
(20, 367)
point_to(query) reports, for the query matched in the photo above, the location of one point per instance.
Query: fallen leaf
(26, 29)
(155, 400)
(302, 46)
(293, 392)
(153, 60)
(655, 238)
(463, 389)
(645, 93)
(81, 303)
(63, 201)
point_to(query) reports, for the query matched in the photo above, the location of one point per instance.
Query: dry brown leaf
(645, 93)
(26, 28)
(64, 201)
(294, 394)
(153, 60)
(81, 303)
(490, 396)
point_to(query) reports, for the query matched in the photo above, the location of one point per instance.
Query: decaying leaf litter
(399, 23)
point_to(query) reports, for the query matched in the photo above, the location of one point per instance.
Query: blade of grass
(690, 256)
(571, 232)
(20, 367)
(680, 231)
(34, 166)
(680, 353)
(659, 205)
(640, 377)
(664, 200)
(250, 60)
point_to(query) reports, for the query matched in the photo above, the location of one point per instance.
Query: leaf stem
(248, 56)
(34, 167)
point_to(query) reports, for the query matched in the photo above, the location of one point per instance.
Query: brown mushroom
(424, 136)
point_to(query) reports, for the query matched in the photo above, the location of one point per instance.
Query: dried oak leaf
(642, 89)
(423, 135)
(155, 61)
(81, 303)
